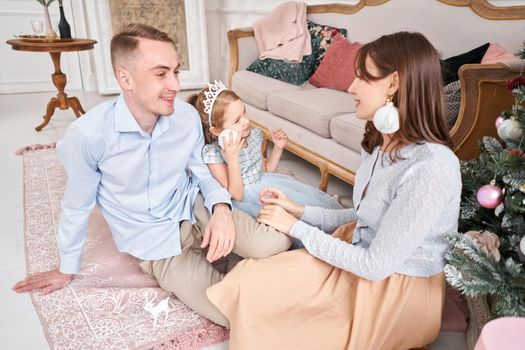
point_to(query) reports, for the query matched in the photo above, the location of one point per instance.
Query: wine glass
(38, 27)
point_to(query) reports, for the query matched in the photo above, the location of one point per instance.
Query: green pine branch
(474, 272)
(505, 163)
(514, 180)
(492, 145)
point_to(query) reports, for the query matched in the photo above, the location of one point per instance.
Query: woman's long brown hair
(420, 97)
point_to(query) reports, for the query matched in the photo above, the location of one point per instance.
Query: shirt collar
(163, 124)
(125, 122)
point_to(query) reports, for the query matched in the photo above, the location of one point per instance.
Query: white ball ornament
(386, 118)
(510, 130)
(227, 135)
(522, 245)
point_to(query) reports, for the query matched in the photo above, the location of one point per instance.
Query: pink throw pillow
(496, 53)
(336, 70)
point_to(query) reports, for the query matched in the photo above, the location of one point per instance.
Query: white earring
(386, 118)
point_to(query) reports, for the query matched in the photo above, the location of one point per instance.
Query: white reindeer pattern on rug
(162, 307)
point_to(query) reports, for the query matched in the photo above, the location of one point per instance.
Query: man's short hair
(127, 41)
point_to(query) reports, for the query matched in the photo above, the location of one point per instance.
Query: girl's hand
(276, 217)
(277, 197)
(232, 149)
(279, 138)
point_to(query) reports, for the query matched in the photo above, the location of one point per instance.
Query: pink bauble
(489, 196)
(498, 121)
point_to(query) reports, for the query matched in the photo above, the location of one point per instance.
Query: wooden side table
(55, 48)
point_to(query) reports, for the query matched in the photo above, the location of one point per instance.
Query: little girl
(240, 166)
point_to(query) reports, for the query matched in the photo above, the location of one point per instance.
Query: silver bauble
(510, 130)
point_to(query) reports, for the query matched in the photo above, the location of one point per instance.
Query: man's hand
(276, 217)
(47, 282)
(220, 233)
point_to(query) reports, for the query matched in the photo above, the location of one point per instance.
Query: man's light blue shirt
(141, 182)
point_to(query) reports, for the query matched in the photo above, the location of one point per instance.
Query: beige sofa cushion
(311, 108)
(254, 88)
(348, 131)
(322, 146)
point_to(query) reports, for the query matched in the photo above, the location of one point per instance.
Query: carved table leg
(74, 103)
(61, 100)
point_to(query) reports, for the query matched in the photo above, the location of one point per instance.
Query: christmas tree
(488, 255)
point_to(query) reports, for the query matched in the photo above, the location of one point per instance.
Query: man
(139, 158)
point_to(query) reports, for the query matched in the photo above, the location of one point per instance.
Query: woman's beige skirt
(295, 301)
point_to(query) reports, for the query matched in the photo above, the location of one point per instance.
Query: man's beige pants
(189, 274)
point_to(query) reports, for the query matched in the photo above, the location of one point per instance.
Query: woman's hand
(271, 195)
(232, 149)
(279, 138)
(276, 217)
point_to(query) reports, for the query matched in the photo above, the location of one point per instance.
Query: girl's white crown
(211, 95)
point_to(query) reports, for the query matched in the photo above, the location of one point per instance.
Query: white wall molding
(87, 66)
(223, 16)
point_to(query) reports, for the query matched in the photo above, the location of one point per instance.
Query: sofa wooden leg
(325, 176)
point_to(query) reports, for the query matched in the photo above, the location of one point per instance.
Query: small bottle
(63, 26)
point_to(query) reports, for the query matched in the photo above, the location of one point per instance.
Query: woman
(377, 282)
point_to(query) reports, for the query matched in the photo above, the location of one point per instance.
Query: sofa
(320, 122)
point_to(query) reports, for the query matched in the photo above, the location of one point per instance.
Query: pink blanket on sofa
(283, 33)
(104, 306)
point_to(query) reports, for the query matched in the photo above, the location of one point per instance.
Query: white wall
(22, 71)
(30, 72)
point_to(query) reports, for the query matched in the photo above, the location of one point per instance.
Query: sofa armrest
(243, 50)
(483, 97)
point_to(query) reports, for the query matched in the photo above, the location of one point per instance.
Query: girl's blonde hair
(217, 113)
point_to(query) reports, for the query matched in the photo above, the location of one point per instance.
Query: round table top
(54, 46)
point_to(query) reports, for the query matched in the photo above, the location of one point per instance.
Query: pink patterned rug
(104, 306)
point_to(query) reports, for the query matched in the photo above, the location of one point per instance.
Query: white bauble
(522, 245)
(386, 119)
(510, 130)
(227, 135)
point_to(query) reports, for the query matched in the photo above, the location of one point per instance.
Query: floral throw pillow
(322, 36)
(298, 73)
